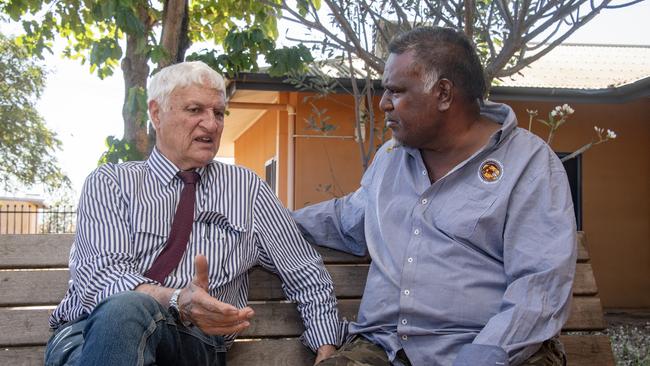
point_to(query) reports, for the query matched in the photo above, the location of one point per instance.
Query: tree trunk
(174, 31)
(135, 70)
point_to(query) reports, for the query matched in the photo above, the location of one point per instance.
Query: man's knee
(357, 353)
(128, 306)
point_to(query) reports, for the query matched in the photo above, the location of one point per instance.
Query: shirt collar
(501, 114)
(165, 171)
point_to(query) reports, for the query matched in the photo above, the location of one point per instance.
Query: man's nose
(385, 103)
(211, 122)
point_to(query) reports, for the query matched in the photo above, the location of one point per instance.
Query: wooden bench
(34, 275)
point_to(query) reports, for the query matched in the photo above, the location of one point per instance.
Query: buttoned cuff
(481, 355)
(322, 333)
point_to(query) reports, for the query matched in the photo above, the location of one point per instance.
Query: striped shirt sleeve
(305, 280)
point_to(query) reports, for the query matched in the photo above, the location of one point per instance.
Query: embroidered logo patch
(490, 171)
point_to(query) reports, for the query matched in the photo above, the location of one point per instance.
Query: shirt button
(404, 321)
(410, 260)
(424, 172)
(407, 292)
(405, 337)
(416, 231)
(424, 201)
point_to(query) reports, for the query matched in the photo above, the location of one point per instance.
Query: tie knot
(189, 176)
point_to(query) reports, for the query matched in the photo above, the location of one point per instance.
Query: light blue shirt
(474, 269)
(124, 218)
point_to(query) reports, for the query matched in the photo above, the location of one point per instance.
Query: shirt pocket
(462, 211)
(221, 241)
(149, 238)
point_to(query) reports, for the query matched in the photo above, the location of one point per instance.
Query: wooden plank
(35, 251)
(23, 356)
(283, 319)
(584, 283)
(349, 282)
(331, 256)
(270, 352)
(33, 287)
(52, 250)
(588, 350)
(586, 314)
(274, 319)
(47, 287)
(583, 350)
(287, 351)
(24, 327)
(583, 254)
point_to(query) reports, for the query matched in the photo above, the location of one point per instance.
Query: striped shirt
(125, 215)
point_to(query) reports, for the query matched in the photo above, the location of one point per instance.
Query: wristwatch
(175, 310)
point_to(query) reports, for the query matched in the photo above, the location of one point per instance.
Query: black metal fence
(27, 219)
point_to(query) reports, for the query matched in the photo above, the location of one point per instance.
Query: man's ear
(445, 94)
(154, 113)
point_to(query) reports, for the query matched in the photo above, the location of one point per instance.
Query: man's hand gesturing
(209, 314)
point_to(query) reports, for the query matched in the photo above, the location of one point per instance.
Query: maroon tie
(180, 232)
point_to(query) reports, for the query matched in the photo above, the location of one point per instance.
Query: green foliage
(28, 146)
(244, 47)
(97, 32)
(119, 151)
(286, 60)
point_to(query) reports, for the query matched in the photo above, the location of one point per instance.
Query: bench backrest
(34, 275)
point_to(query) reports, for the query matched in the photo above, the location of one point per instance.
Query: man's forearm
(160, 293)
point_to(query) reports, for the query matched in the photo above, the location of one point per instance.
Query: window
(270, 168)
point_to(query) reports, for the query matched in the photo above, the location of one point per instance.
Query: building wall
(258, 144)
(616, 177)
(18, 217)
(326, 166)
(616, 194)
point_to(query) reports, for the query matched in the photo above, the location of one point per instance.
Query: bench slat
(51, 250)
(35, 251)
(274, 319)
(48, 287)
(581, 351)
(33, 287)
(583, 254)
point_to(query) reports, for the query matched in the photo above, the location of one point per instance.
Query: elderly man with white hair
(162, 250)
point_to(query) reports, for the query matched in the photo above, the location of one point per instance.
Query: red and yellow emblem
(490, 171)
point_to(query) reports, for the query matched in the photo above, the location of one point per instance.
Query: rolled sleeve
(305, 280)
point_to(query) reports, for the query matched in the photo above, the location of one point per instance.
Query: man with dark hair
(467, 218)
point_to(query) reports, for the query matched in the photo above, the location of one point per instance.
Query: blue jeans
(131, 328)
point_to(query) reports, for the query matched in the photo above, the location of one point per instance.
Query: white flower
(611, 134)
(553, 113)
(598, 130)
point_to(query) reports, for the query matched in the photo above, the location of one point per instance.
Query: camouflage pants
(361, 352)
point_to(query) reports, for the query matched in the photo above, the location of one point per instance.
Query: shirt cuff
(322, 333)
(481, 355)
(129, 281)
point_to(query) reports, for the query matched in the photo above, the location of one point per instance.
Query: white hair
(181, 75)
